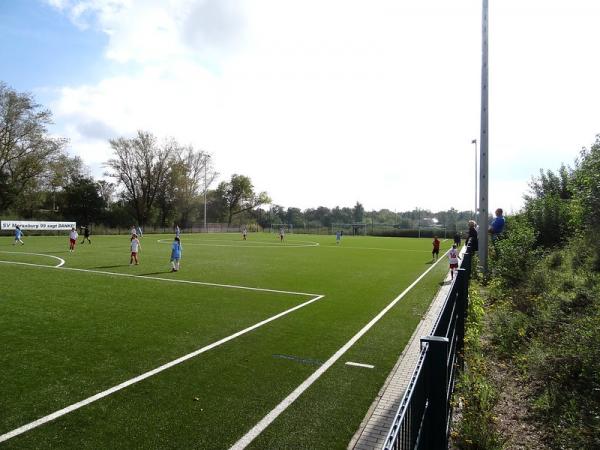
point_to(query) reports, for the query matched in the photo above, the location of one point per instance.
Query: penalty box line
(112, 390)
(291, 398)
(172, 280)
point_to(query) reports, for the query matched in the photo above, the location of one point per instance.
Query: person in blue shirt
(175, 254)
(18, 235)
(497, 225)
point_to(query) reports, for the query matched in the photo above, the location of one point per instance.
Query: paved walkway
(375, 426)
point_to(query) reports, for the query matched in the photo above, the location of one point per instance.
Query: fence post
(437, 390)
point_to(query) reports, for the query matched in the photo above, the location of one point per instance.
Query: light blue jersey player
(176, 252)
(18, 236)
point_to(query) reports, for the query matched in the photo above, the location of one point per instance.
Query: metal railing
(424, 416)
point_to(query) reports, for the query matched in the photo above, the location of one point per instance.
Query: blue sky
(320, 103)
(42, 49)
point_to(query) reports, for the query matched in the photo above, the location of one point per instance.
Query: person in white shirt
(72, 239)
(453, 257)
(135, 248)
(244, 233)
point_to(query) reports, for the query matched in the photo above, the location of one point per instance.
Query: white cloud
(338, 101)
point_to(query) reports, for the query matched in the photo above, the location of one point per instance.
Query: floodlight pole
(474, 141)
(483, 143)
(205, 187)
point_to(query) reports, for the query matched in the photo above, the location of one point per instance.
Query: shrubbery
(543, 302)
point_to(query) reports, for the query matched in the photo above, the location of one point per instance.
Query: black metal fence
(425, 414)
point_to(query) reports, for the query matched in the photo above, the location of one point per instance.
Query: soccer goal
(288, 228)
(350, 229)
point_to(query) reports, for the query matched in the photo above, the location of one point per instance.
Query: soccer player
(177, 230)
(135, 248)
(435, 253)
(244, 233)
(72, 239)
(86, 235)
(18, 235)
(133, 231)
(281, 234)
(175, 254)
(453, 256)
(338, 237)
(139, 231)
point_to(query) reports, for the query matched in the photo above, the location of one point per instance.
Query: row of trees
(148, 181)
(153, 183)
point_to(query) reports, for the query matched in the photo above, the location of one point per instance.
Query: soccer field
(110, 355)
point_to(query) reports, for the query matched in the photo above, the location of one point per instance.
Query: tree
(141, 166)
(358, 213)
(193, 173)
(237, 196)
(83, 202)
(25, 146)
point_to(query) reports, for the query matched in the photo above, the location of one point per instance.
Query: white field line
(148, 374)
(366, 366)
(264, 244)
(377, 248)
(62, 261)
(172, 280)
(285, 403)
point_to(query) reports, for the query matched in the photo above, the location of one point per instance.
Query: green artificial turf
(68, 334)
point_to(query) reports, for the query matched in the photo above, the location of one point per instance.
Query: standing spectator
(135, 248)
(472, 234)
(86, 234)
(18, 235)
(139, 231)
(453, 256)
(175, 254)
(435, 253)
(457, 239)
(72, 239)
(497, 225)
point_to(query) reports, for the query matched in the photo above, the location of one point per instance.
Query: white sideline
(148, 374)
(174, 280)
(285, 403)
(62, 261)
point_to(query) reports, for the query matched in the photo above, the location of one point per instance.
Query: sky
(320, 102)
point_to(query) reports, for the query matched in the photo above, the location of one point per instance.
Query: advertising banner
(35, 225)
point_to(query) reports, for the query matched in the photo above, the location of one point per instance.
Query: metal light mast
(483, 144)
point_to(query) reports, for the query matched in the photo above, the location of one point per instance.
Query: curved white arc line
(61, 261)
